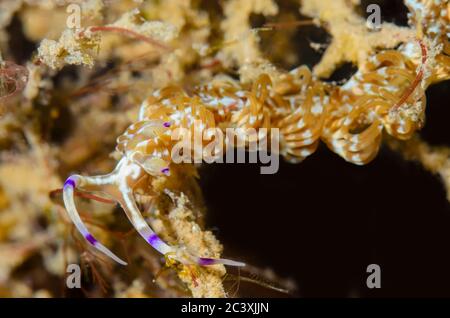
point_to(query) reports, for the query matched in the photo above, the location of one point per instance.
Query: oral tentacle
(204, 261)
(69, 202)
(129, 205)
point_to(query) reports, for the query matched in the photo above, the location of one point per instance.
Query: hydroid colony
(385, 96)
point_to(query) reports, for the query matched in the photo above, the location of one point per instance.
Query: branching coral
(352, 40)
(243, 45)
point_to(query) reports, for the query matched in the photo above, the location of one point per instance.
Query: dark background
(322, 222)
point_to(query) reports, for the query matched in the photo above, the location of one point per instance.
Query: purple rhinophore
(167, 124)
(69, 182)
(153, 239)
(90, 238)
(203, 261)
(165, 171)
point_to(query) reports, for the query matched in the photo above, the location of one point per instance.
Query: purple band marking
(69, 182)
(203, 261)
(90, 239)
(165, 171)
(153, 239)
(166, 124)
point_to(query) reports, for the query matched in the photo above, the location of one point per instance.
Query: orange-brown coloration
(349, 118)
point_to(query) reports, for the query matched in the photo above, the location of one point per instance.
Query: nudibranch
(387, 95)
